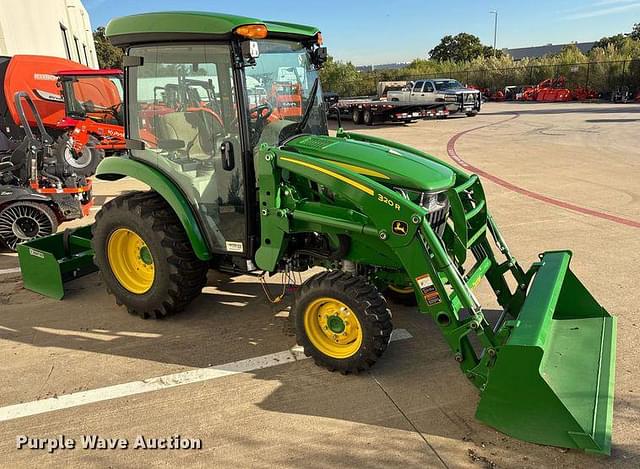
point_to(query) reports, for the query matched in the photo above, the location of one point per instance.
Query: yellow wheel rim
(130, 261)
(332, 328)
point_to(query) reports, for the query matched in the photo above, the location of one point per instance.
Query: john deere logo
(400, 228)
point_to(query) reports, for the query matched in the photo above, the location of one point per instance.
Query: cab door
(428, 93)
(416, 92)
(182, 108)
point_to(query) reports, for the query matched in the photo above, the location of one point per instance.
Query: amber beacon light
(252, 31)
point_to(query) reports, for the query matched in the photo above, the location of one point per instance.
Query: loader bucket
(47, 263)
(552, 381)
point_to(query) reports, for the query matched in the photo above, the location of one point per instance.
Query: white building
(59, 28)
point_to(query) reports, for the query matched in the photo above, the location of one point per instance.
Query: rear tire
(145, 257)
(401, 295)
(341, 321)
(368, 118)
(24, 221)
(356, 116)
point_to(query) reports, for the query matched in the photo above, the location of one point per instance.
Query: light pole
(495, 30)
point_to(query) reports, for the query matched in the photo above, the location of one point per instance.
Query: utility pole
(495, 30)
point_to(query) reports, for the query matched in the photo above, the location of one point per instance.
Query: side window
(182, 107)
(65, 41)
(428, 87)
(418, 86)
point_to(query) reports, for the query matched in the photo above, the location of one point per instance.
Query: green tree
(109, 56)
(635, 34)
(341, 78)
(462, 47)
(616, 41)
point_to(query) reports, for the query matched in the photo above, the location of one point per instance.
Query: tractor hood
(389, 166)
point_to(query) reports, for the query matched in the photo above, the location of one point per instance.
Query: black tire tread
(187, 274)
(368, 302)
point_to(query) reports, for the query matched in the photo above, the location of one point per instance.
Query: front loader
(235, 189)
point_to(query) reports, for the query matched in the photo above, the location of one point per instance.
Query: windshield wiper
(307, 112)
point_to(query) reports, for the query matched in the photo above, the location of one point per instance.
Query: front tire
(472, 113)
(145, 257)
(341, 321)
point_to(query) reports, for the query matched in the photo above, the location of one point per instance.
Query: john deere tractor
(240, 188)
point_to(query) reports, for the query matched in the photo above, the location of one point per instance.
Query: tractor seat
(195, 128)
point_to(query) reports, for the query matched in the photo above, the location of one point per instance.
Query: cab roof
(193, 25)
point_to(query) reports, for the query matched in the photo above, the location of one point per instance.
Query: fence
(603, 77)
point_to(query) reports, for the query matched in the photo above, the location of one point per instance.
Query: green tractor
(240, 187)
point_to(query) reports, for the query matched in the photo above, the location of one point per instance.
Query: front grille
(436, 204)
(438, 219)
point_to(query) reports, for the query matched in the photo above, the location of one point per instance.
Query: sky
(388, 31)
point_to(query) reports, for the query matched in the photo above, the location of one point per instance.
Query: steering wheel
(259, 111)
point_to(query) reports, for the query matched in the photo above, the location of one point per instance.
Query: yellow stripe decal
(360, 170)
(351, 182)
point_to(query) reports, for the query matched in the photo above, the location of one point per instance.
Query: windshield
(279, 87)
(442, 85)
(97, 97)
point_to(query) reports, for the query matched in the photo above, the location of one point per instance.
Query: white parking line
(15, 270)
(76, 399)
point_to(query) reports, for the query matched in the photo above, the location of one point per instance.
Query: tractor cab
(198, 110)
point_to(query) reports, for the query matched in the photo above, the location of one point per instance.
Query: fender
(9, 194)
(114, 168)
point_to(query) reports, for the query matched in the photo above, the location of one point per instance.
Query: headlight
(436, 204)
(430, 201)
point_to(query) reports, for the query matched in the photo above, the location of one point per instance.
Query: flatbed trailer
(369, 110)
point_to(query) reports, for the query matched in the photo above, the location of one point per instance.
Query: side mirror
(319, 56)
(228, 160)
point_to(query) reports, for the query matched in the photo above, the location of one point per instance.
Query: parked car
(455, 96)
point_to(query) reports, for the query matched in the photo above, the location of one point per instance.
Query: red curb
(451, 150)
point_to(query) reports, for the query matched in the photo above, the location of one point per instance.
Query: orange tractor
(93, 110)
(80, 107)
(54, 130)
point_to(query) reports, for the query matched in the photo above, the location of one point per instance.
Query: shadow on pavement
(416, 386)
